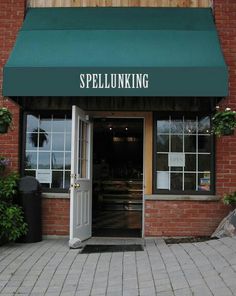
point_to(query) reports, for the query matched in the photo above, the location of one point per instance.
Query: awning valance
(116, 52)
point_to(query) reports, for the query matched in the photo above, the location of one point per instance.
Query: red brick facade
(225, 17)
(56, 216)
(162, 218)
(11, 18)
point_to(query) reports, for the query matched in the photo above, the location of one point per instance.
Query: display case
(121, 195)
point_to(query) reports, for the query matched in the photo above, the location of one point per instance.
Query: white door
(81, 176)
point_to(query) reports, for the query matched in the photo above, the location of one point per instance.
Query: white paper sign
(176, 159)
(44, 176)
(162, 180)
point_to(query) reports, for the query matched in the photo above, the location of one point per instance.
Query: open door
(81, 176)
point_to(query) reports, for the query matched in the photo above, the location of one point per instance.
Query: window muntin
(183, 155)
(48, 149)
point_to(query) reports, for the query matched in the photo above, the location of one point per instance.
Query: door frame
(147, 118)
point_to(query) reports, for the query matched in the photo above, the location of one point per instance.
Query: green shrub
(230, 199)
(12, 225)
(8, 187)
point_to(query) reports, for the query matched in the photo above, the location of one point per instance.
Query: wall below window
(183, 218)
(56, 216)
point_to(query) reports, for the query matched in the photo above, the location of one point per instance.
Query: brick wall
(55, 216)
(182, 218)
(225, 17)
(11, 17)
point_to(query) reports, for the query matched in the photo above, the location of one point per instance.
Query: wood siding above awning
(178, 48)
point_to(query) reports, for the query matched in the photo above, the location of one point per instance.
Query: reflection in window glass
(190, 143)
(190, 162)
(190, 138)
(45, 124)
(163, 126)
(176, 181)
(44, 160)
(190, 126)
(177, 143)
(32, 123)
(204, 144)
(31, 160)
(163, 143)
(204, 162)
(162, 162)
(48, 145)
(58, 142)
(176, 126)
(189, 181)
(204, 125)
(57, 160)
(57, 179)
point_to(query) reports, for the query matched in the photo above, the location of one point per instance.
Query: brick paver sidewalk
(49, 268)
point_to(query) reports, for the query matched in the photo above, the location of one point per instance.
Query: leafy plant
(3, 163)
(230, 199)
(12, 224)
(8, 187)
(5, 116)
(223, 122)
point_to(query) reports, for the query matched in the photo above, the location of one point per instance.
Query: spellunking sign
(73, 81)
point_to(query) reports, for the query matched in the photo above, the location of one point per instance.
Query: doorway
(117, 177)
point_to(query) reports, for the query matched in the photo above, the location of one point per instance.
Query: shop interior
(117, 177)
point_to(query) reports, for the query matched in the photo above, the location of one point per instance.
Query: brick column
(11, 17)
(225, 17)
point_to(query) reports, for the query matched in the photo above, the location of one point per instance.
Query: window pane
(67, 179)
(204, 182)
(67, 161)
(189, 181)
(58, 142)
(204, 144)
(176, 126)
(190, 162)
(190, 126)
(57, 160)
(30, 173)
(58, 125)
(163, 143)
(44, 160)
(68, 125)
(31, 160)
(163, 126)
(190, 143)
(177, 143)
(204, 162)
(31, 141)
(176, 181)
(162, 180)
(45, 124)
(162, 162)
(44, 142)
(68, 142)
(204, 125)
(57, 179)
(32, 123)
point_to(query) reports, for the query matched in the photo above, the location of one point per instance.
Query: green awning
(175, 50)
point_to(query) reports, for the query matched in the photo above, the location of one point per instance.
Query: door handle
(76, 186)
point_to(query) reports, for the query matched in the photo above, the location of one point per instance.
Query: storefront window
(183, 155)
(48, 150)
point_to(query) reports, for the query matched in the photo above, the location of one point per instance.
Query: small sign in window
(44, 176)
(176, 159)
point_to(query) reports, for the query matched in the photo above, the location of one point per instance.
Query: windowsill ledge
(55, 195)
(182, 197)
